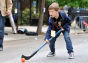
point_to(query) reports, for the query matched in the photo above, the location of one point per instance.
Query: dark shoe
(51, 54)
(1, 48)
(71, 55)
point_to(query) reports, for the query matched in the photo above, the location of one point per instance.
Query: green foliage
(36, 15)
(75, 3)
(26, 16)
(50, 1)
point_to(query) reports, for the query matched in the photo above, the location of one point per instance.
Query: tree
(40, 23)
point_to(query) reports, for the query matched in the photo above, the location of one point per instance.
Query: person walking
(5, 9)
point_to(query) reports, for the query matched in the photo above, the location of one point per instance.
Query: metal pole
(17, 7)
(30, 10)
(21, 10)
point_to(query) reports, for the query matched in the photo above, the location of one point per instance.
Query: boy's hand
(62, 29)
(47, 41)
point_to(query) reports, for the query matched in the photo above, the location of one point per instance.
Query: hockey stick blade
(28, 57)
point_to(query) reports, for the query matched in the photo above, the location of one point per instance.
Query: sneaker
(51, 54)
(71, 55)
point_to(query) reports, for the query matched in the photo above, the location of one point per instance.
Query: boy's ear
(58, 10)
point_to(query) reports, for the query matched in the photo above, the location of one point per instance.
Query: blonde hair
(54, 6)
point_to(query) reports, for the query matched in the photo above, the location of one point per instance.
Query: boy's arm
(48, 33)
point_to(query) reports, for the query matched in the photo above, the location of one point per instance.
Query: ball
(23, 60)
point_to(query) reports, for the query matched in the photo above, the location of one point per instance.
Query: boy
(58, 20)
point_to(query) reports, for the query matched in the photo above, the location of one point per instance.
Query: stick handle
(12, 23)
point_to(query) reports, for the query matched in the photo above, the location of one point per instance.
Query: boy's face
(53, 13)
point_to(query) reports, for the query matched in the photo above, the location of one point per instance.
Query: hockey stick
(28, 57)
(12, 23)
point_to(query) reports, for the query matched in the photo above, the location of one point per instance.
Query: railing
(81, 23)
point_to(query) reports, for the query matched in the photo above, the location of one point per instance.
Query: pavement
(17, 44)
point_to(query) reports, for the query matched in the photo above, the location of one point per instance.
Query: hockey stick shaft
(28, 57)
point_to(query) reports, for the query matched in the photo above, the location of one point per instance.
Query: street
(13, 49)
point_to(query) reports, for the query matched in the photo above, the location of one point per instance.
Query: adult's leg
(1, 31)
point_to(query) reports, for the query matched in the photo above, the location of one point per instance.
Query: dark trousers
(1, 30)
(68, 41)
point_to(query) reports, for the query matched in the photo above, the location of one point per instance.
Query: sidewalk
(12, 36)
